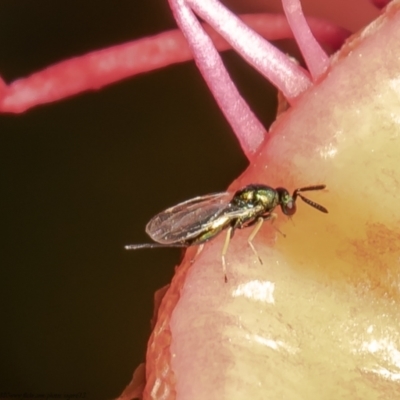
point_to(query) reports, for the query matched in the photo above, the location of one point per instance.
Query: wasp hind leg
(198, 251)
(229, 234)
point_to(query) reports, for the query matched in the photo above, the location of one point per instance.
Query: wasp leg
(229, 234)
(199, 250)
(258, 225)
(273, 217)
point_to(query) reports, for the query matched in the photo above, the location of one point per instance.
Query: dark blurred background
(80, 178)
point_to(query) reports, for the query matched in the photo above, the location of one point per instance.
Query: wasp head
(286, 201)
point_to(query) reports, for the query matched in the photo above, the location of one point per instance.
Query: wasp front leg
(257, 226)
(272, 217)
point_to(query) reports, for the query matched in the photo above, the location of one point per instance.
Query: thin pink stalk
(103, 67)
(249, 131)
(95, 70)
(316, 59)
(276, 27)
(279, 69)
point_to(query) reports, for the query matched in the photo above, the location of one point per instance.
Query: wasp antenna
(313, 203)
(150, 246)
(309, 188)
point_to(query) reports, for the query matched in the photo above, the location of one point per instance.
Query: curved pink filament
(103, 67)
(245, 124)
(279, 69)
(316, 59)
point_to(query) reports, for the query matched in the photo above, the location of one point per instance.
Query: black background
(81, 177)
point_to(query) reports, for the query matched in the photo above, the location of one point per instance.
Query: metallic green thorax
(246, 206)
(257, 198)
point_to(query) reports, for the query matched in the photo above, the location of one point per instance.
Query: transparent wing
(186, 220)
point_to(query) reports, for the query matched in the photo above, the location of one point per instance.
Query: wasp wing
(186, 220)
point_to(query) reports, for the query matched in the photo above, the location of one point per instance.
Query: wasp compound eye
(289, 208)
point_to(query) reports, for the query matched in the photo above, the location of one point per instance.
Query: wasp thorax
(244, 197)
(257, 196)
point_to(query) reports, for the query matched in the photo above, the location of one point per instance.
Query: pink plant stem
(94, 70)
(276, 27)
(249, 131)
(103, 67)
(286, 75)
(316, 59)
